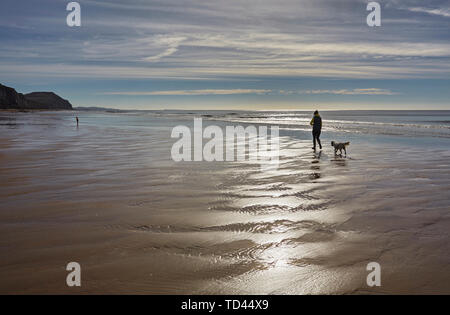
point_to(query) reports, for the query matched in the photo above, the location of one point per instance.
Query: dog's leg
(345, 150)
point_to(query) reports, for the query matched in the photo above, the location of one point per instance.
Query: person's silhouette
(316, 122)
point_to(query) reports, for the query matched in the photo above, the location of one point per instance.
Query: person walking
(316, 123)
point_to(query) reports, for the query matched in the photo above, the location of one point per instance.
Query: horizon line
(252, 110)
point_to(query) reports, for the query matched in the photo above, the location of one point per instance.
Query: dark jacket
(316, 122)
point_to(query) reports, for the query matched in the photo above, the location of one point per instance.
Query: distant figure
(316, 122)
(77, 120)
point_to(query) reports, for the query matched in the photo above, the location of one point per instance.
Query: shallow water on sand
(108, 195)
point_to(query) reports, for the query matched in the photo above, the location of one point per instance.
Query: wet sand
(110, 198)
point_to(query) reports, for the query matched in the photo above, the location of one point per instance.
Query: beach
(109, 196)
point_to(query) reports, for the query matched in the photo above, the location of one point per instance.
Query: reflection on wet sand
(110, 199)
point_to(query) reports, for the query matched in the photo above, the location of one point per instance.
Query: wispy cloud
(189, 92)
(217, 39)
(369, 91)
(172, 44)
(439, 11)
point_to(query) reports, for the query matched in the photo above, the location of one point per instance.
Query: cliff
(47, 100)
(10, 99)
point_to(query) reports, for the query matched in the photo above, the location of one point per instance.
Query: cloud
(394, 69)
(223, 39)
(369, 91)
(171, 42)
(189, 92)
(441, 11)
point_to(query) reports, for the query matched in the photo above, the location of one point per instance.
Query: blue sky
(265, 54)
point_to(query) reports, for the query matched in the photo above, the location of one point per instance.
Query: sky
(230, 54)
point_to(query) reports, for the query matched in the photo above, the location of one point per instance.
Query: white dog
(340, 147)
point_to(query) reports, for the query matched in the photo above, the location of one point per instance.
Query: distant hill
(11, 99)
